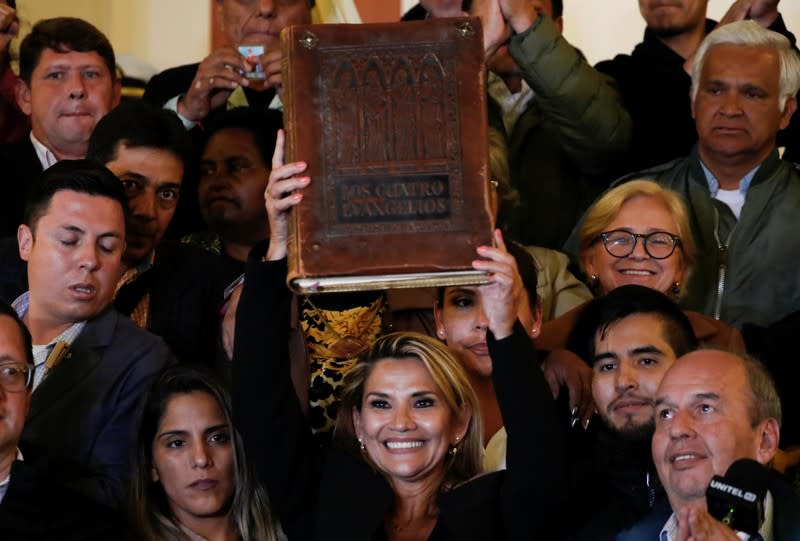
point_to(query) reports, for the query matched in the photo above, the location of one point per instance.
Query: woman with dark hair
(191, 479)
(408, 424)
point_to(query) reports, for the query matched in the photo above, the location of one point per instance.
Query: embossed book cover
(391, 119)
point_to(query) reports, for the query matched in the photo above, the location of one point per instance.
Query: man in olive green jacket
(564, 120)
(743, 201)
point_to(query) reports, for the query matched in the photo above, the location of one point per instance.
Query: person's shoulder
(139, 346)
(170, 83)
(649, 526)
(40, 505)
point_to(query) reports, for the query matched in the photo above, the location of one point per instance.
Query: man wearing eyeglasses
(33, 502)
(742, 199)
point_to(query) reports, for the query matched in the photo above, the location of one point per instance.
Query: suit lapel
(84, 356)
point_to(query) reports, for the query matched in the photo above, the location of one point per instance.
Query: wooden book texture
(391, 119)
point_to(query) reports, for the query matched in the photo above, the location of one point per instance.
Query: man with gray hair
(713, 408)
(742, 198)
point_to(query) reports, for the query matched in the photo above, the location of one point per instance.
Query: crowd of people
(631, 348)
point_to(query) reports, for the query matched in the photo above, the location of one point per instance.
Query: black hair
(528, 272)
(138, 124)
(82, 176)
(262, 124)
(558, 8)
(12, 4)
(602, 313)
(64, 35)
(27, 341)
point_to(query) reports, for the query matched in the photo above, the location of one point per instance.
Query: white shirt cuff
(172, 105)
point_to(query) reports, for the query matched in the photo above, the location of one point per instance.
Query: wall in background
(165, 33)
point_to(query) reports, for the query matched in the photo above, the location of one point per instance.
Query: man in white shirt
(67, 83)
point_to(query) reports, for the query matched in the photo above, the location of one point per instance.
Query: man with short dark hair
(34, 503)
(168, 288)
(712, 409)
(67, 83)
(225, 78)
(629, 337)
(92, 366)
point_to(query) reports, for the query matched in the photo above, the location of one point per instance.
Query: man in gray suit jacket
(92, 365)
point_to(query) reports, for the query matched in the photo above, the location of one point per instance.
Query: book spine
(289, 117)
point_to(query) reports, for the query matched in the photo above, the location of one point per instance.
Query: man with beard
(629, 337)
(654, 79)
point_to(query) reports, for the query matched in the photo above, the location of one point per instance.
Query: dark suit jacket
(186, 286)
(38, 507)
(346, 499)
(169, 83)
(785, 519)
(21, 167)
(87, 409)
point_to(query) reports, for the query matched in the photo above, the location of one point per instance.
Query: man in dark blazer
(713, 408)
(35, 503)
(67, 82)
(92, 366)
(196, 90)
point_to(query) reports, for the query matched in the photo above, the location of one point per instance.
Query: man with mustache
(92, 366)
(169, 288)
(654, 79)
(713, 408)
(629, 338)
(67, 83)
(196, 90)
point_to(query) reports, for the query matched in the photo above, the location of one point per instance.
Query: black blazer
(38, 507)
(341, 497)
(21, 168)
(87, 410)
(169, 83)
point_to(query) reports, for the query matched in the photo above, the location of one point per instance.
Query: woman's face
(641, 214)
(461, 322)
(405, 425)
(193, 457)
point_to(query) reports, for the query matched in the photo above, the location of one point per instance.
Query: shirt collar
(21, 305)
(45, 155)
(713, 183)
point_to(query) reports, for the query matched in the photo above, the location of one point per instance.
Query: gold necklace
(348, 343)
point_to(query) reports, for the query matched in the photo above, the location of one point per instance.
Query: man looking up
(630, 337)
(92, 366)
(67, 83)
(713, 408)
(196, 90)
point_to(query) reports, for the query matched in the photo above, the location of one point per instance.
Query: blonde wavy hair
(448, 375)
(605, 209)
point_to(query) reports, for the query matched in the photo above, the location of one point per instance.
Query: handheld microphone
(737, 499)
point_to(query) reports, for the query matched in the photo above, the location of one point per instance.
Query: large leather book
(391, 120)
